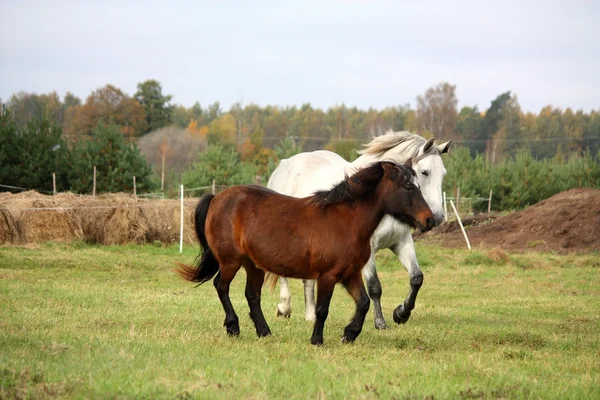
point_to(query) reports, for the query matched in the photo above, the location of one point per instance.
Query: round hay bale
(43, 220)
(10, 231)
(164, 219)
(116, 219)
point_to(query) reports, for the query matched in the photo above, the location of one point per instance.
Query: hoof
(380, 324)
(346, 339)
(310, 318)
(316, 341)
(401, 316)
(263, 334)
(233, 332)
(282, 314)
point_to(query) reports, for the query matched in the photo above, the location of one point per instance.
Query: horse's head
(402, 198)
(430, 171)
(426, 159)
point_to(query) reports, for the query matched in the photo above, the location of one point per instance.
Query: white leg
(309, 299)
(405, 250)
(284, 308)
(369, 272)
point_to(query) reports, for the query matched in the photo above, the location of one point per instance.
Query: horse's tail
(206, 264)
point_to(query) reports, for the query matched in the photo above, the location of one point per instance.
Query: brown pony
(323, 237)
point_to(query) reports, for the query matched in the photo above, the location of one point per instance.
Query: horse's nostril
(430, 223)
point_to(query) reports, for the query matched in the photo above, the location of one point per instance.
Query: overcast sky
(361, 53)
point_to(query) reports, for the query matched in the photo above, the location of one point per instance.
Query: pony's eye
(426, 173)
(410, 187)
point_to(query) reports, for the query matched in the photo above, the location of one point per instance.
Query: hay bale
(113, 219)
(43, 220)
(164, 219)
(10, 231)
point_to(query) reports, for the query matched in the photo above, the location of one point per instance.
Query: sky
(359, 53)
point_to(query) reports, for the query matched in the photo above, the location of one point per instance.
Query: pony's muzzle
(425, 222)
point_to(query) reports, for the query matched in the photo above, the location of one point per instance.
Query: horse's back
(305, 173)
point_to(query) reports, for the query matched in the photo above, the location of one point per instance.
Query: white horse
(306, 173)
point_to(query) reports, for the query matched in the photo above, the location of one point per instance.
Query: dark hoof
(346, 339)
(280, 314)
(401, 316)
(233, 332)
(263, 334)
(316, 341)
(380, 324)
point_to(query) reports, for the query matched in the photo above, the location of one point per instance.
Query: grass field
(82, 321)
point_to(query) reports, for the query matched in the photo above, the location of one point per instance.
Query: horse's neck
(366, 217)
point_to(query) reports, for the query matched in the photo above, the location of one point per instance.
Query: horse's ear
(390, 170)
(444, 147)
(408, 163)
(428, 145)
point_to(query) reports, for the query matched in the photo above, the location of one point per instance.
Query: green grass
(83, 321)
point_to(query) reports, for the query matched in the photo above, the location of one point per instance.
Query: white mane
(412, 144)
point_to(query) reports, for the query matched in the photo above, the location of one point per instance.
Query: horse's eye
(426, 173)
(410, 187)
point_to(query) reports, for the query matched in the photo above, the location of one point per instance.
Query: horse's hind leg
(309, 299)
(374, 288)
(325, 286)
(406, 253)
(354, 286)
(254, 281)
(222, 282)
(284, 308)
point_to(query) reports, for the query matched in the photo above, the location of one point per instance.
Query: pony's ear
(390, 170)
(444, 147)
(428, 145)
(408, 163)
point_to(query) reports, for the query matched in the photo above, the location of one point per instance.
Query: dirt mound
(566, 222)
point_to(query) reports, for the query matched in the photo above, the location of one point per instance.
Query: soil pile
(566, 222)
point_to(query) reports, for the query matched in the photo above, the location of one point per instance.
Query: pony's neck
(369, 214)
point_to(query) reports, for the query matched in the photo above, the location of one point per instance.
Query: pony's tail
(206, 264)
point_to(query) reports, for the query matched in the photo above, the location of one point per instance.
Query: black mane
(359, 186)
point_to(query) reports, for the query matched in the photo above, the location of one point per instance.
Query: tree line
(42, 133)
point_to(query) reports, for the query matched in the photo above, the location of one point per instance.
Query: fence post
(462, 228)
(181, 224)
(490, 202)
(54, 184)
(213, 187)
(94, 189)
(134, 188)
(458, 198)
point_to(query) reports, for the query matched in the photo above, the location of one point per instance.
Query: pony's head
(426, 162)
(402, 198)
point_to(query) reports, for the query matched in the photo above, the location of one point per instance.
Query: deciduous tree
(436, 111)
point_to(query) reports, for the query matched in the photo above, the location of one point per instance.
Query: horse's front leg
(309, 299)
(374, 288)
(405, 250)
(354, 286)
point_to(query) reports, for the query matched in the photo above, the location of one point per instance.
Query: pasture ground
(90, 321)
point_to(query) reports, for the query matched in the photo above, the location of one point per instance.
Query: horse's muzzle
(429, 224)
